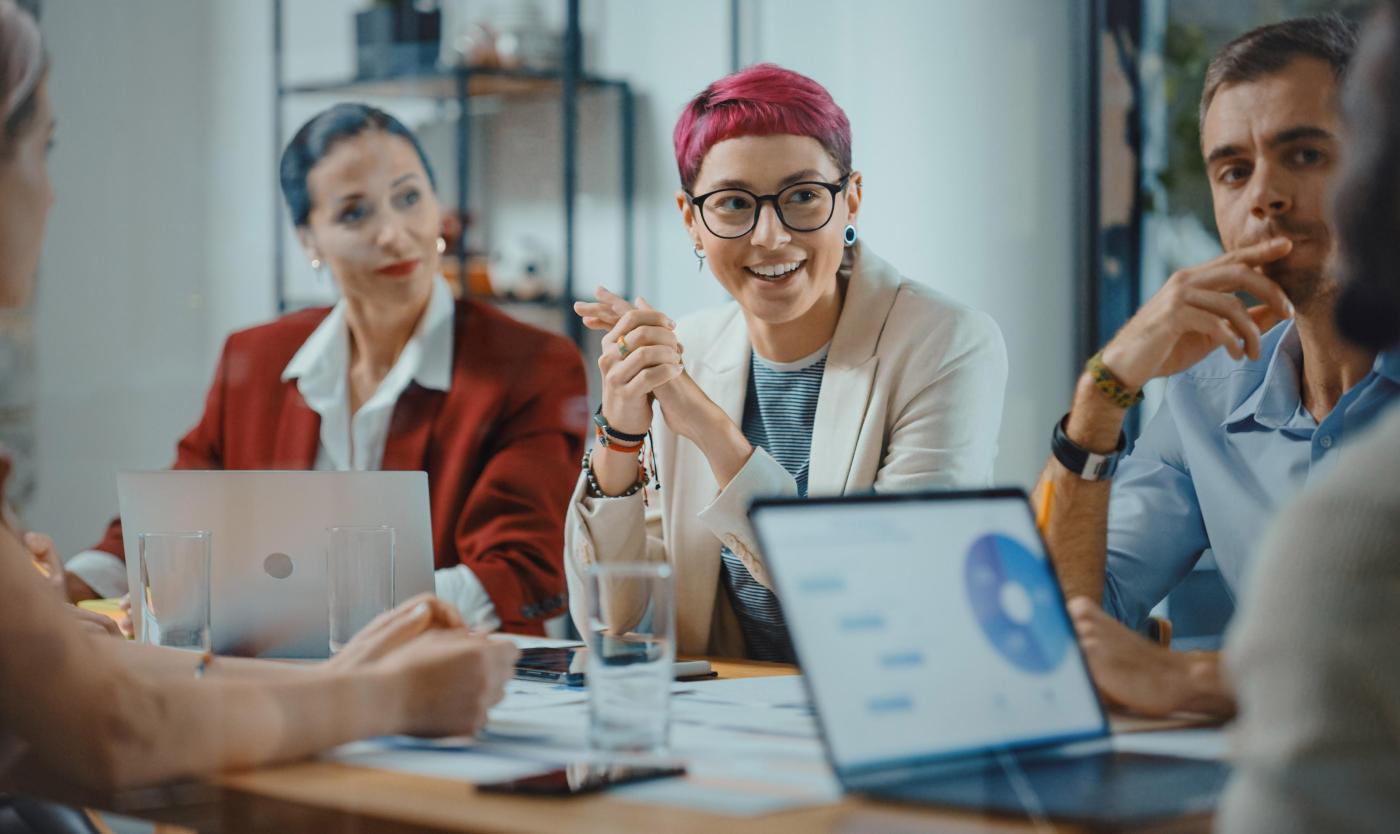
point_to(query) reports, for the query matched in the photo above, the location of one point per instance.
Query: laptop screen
(927, 625)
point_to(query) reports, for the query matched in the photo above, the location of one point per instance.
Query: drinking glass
(631, 655)
(174, 593)
(359, 579)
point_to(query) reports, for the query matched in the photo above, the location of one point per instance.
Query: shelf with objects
(517, 227)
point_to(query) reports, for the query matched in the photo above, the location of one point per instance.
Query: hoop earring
(441, 244)
(699, 258)
(849, 235)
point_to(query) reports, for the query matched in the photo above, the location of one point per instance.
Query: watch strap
(1091, 466)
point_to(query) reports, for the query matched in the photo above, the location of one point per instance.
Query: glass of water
(174, 602)
(359, 579)
(631, 655)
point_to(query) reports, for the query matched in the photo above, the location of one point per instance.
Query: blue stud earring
(850, 235)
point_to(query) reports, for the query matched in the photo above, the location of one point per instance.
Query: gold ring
(622, 349)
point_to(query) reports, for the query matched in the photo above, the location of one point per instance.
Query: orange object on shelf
(478, 283)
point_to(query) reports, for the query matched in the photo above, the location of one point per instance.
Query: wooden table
(339, 799)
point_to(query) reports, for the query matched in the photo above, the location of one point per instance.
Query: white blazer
(911, 398)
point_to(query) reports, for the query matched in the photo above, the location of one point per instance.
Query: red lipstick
(399, 269)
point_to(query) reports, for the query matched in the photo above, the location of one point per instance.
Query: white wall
(162, 239)
(963, 127)
(124, 301)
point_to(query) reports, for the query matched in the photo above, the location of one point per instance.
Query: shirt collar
(319, 366)
(1275, 403)
(435, 331)
(1388, 364)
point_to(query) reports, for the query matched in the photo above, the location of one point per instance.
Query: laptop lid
(930, 627)
(267, 584)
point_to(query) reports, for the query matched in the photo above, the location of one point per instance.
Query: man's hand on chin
(1137, 675)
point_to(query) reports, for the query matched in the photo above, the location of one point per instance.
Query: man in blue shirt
(1257, 398)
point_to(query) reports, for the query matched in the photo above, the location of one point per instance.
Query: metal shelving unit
(460, 85)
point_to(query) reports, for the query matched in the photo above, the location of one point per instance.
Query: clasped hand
(650, 369)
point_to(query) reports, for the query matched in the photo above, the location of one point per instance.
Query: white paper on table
(1207, 743)
(728, 772)
(775, 691)
(756, 718)
(461, 765)
(530, 695)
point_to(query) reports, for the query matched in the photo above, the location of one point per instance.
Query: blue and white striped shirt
(779, 411)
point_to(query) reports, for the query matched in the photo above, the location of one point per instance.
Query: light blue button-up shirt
(1230, 443)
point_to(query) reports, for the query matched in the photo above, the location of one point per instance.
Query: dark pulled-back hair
(317, 137)
(1268, 49)
(1366, 206)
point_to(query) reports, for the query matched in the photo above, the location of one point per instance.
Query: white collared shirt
(321, 368)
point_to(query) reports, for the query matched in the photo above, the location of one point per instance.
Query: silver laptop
(257, 605)
(942, 664)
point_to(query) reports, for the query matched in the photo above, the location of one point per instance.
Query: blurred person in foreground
(1314, 652)
(107, 713)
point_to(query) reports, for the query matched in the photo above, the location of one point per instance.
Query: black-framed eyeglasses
(802, 207)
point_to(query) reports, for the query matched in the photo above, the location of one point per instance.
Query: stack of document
(750, 746)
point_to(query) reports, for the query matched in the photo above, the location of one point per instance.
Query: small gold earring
(442, 245)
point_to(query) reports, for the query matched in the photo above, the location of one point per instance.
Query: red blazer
(501, 447)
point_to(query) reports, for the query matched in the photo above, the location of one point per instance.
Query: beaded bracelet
(596, 491)
(1108, 384)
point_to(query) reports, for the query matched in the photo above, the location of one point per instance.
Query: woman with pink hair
(829, 372)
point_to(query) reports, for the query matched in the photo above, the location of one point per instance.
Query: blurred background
(1036, 159)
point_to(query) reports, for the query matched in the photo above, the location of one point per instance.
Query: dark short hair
(1366, 206)
(1264, 51)
(317, 137)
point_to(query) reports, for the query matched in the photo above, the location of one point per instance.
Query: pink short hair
(761, 100)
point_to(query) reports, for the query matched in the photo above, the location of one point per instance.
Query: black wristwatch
(1088, 465)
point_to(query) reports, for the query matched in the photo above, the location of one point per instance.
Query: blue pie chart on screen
(1013, 597)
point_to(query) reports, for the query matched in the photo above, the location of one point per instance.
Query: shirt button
(1326, 441)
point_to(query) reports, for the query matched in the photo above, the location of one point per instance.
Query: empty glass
(174, 593)
(359, 578)
(631, 654)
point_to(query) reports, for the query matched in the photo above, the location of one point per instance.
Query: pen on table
(1047, 497)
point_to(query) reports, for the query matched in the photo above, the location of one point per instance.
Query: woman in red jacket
(398, 376)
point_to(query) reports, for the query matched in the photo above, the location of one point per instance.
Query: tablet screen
(927, 625)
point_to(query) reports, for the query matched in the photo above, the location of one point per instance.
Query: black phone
(580, 778)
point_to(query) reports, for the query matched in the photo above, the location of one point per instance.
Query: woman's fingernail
(420, 610)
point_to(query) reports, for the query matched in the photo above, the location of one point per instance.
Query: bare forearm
(156, 662)
(108, 714)
(725, 447)
(1077, 526)
(182, 728)
(616, 472)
